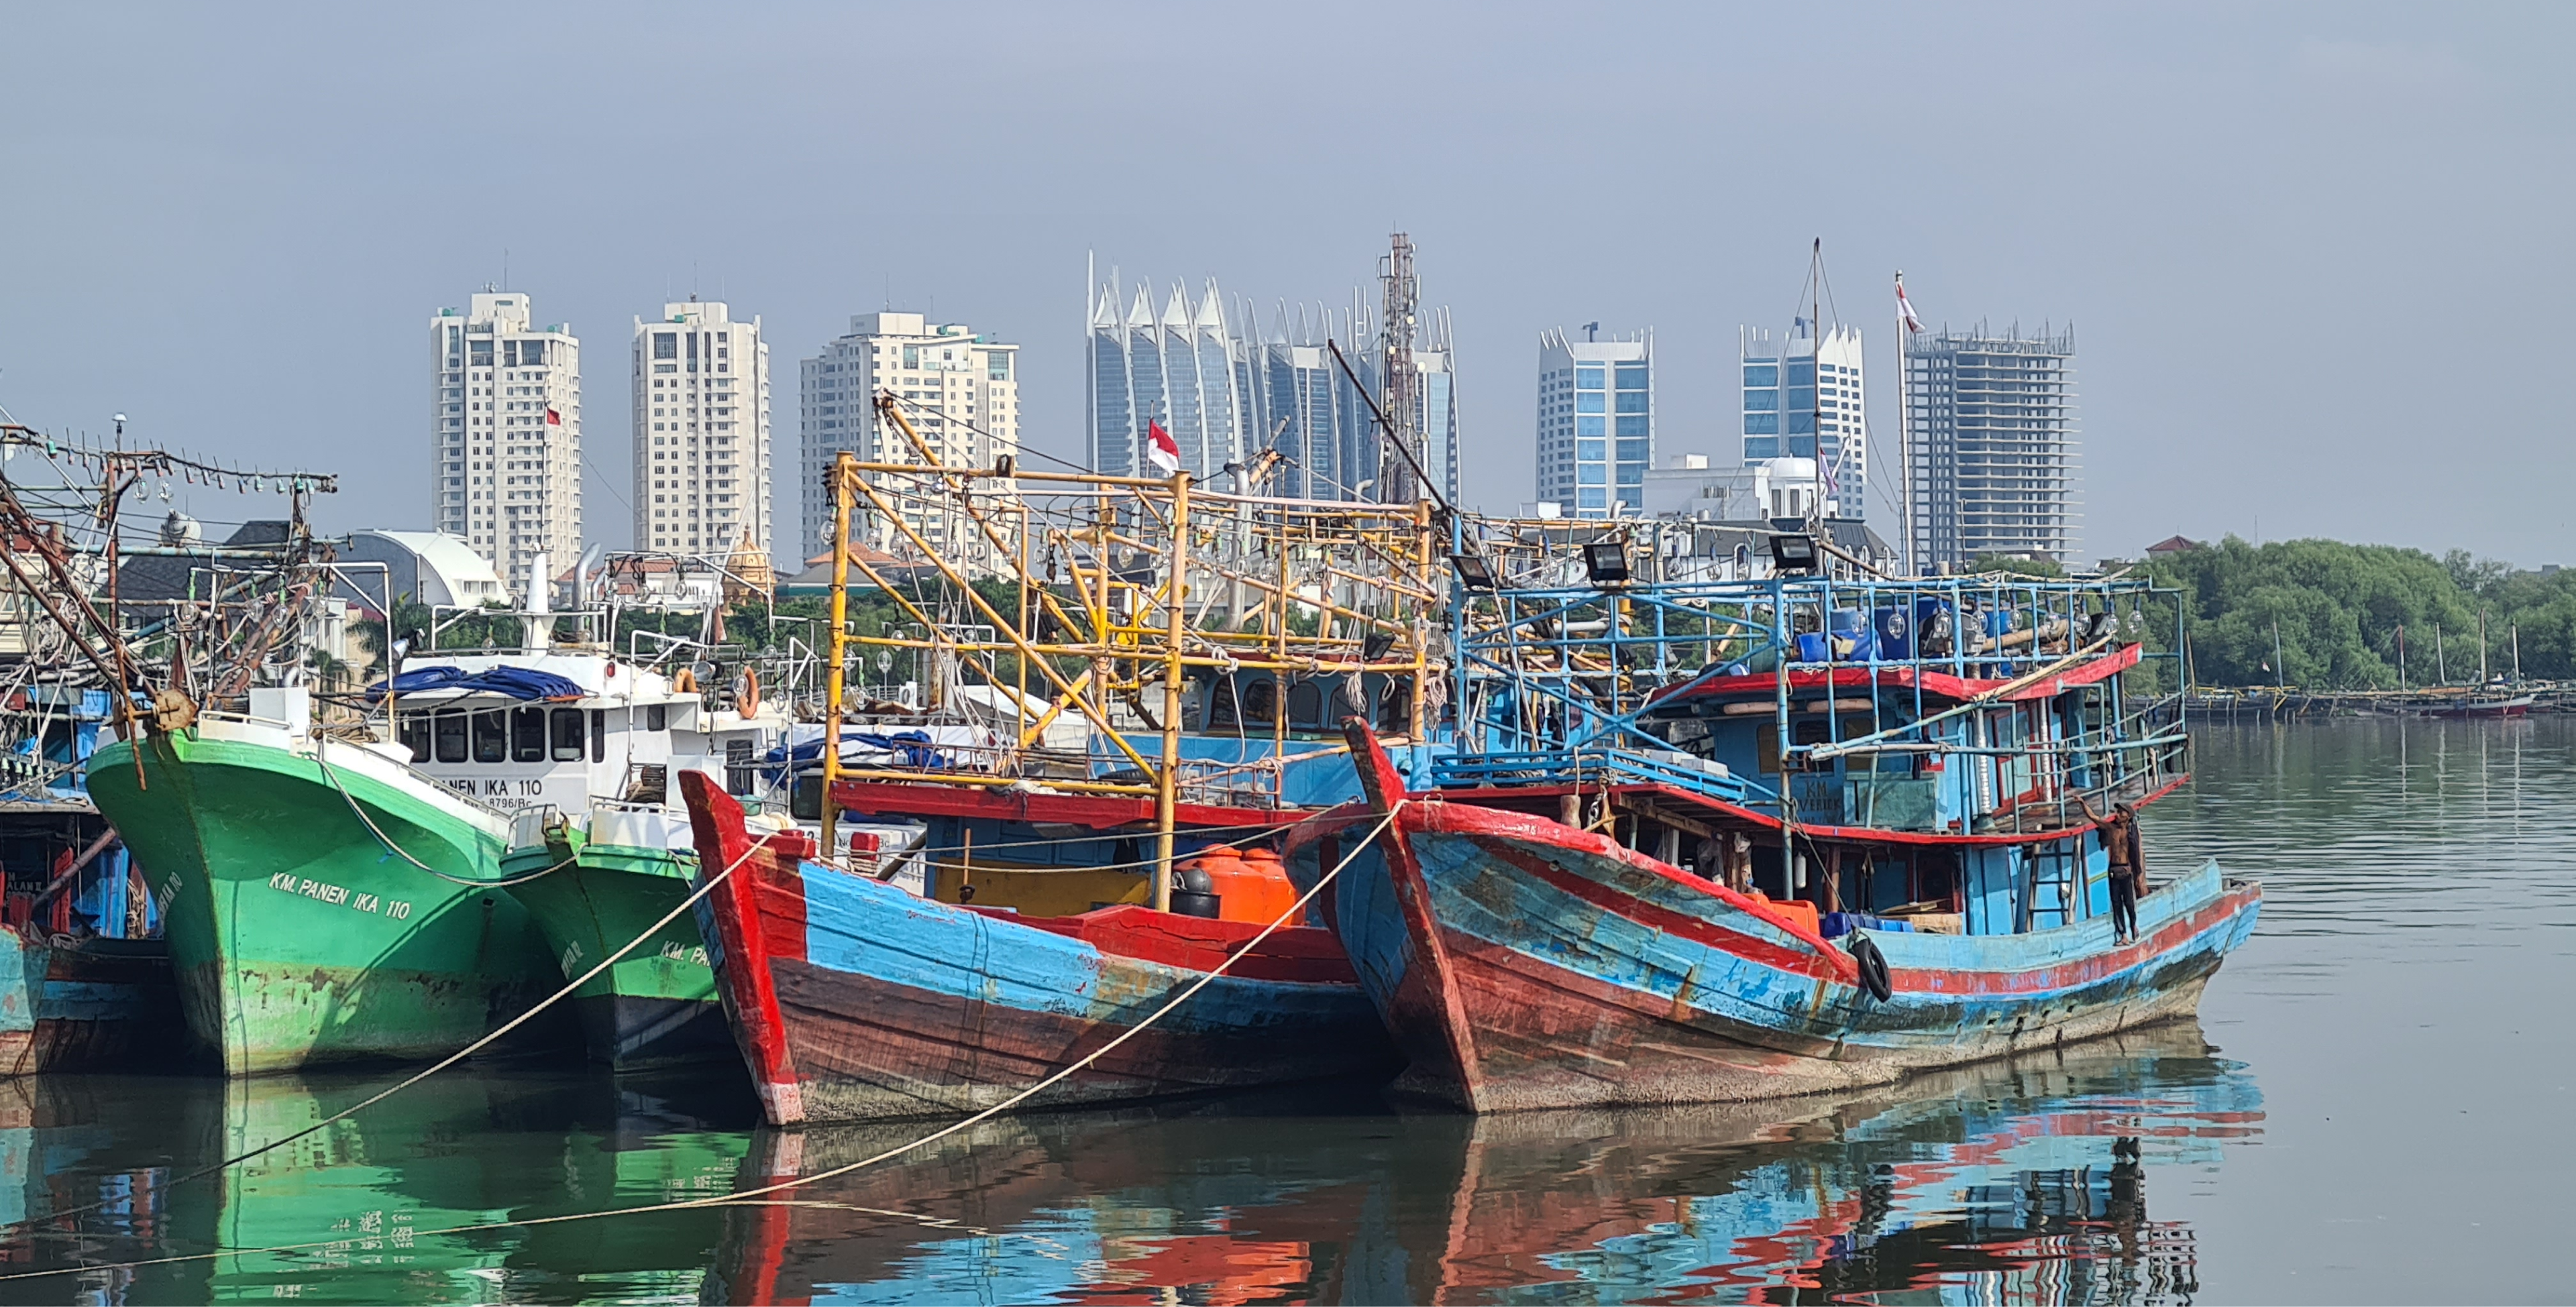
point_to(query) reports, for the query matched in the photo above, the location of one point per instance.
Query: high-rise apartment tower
(960, 391)
(701, 431)
(1596, 422)
(1793, 386)
(1180, 367)
(1992, 442)
(505, 448)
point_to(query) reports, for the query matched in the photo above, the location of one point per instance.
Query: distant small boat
(2483, 706)
(856, 999)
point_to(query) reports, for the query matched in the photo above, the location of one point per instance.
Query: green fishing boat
(595, 846)
(324, 902)
(595, 886)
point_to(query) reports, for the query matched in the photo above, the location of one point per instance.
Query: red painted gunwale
(1497, 798)
(1903, 677)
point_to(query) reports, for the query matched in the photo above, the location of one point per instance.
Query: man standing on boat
(2128, 863)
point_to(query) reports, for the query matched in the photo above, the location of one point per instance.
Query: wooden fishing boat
(1734, 884)
(83, 1004)
(856, 999)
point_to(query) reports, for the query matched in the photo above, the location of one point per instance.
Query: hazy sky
(2317, 257)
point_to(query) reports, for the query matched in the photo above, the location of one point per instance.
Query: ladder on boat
(2055, 893)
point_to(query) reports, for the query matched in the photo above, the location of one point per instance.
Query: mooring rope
(747, 1198)
(449, 1061)
(397, 850)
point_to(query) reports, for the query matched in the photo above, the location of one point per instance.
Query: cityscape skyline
(327, 199)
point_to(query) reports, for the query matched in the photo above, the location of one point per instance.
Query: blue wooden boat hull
(853, 999)
(86, 1005)
(1522, 964)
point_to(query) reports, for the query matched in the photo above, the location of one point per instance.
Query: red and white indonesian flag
(1905, 308)
(1160, 449)
(553, 418)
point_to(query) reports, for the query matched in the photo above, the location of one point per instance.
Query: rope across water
(748, 1197)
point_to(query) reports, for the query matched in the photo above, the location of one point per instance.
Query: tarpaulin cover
(516, 682)
(909, 749)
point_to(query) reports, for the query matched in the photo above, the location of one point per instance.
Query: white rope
(451, 1060)
(746, 1198)
(397, 850)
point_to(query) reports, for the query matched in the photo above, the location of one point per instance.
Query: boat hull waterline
(297, 937)
(656, 1006)
(1524, 964)
(853, 999)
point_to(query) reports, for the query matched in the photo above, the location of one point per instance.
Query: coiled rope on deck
(748, 1198)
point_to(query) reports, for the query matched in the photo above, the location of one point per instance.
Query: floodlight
(1473, 571)
(1606, 561)
(1793, 553)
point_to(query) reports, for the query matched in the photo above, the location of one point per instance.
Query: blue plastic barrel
(1812, 647)
(1895, 633)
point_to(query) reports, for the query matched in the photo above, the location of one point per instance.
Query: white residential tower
(701, 432)
(960, 392)
(505, 449)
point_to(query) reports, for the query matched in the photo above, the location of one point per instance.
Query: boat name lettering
(677, 952)
(314, 889)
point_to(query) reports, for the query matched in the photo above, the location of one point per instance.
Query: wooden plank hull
(1541, 966)
(853, 999)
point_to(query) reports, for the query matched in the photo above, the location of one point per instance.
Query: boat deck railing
(1550, 767)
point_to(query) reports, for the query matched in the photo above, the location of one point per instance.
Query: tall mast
(1905, 435)
(1816, 376)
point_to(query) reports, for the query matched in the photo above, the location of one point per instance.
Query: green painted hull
(656, 1006)
(297, 937)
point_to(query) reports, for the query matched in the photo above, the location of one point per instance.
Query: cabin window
(451, 728)
(1305, 704)
(657, 717)
(567, 735)
(1222, 710)
(527, 735)
(599, 735)
(491, 737)
(1261, 700)
(415, 736)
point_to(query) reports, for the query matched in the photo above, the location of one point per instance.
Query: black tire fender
(1872, 966)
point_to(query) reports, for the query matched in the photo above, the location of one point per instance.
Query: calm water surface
(2373, 1107)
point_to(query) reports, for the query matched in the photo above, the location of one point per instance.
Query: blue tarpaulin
(516, 682)
(910, 749)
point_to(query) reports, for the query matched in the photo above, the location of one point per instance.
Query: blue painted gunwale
(864, 927)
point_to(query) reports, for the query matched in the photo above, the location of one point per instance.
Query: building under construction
(1991, 438)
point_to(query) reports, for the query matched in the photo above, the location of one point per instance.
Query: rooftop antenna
(505, 267)
(1591, 332)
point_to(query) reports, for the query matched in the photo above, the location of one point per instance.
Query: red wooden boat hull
(855, 1000)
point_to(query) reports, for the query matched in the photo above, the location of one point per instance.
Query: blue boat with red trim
(1711, 840)
(856, 998)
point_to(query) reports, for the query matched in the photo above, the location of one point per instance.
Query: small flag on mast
(1160, 449)
(553, 418)
(1905, 307)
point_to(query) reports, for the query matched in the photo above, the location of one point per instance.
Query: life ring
(684, 681)
(1872, 966)
(747, 697)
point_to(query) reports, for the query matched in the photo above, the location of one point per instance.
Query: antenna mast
(1398, 384)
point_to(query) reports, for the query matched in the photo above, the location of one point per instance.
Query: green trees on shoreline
(2339, 608)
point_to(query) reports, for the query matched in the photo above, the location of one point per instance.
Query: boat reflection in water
(2029, 1181)
(2025, 1181)
(455, 1150)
